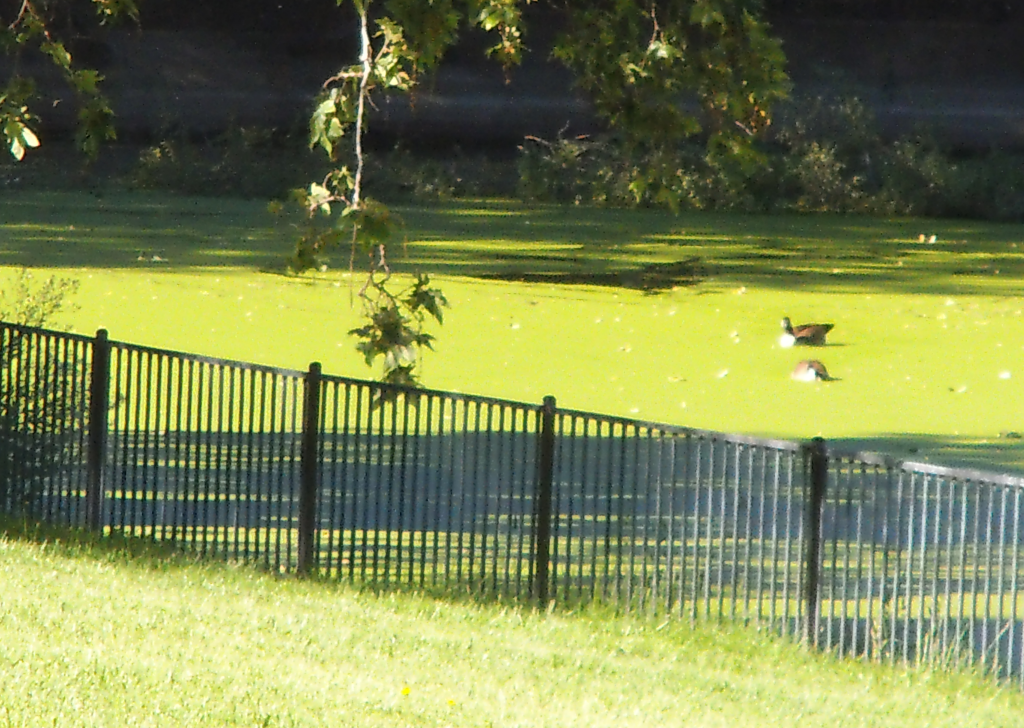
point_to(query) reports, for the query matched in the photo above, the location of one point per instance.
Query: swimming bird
(803, 335)
(810, 370)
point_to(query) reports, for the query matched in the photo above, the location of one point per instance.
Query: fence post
(99, 403)
(542, 502)
(816, 497)
(310, 452)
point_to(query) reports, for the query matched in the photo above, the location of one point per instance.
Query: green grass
(126, 634)
(551, 300)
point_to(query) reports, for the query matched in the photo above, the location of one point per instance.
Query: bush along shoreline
(823, 154)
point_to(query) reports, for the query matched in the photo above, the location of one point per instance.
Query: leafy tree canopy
(27, 26)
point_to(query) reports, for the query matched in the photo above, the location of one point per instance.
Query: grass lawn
(641, 314)
(122, 634)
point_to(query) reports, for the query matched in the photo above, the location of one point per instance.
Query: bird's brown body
(810, 370)
(803, 335)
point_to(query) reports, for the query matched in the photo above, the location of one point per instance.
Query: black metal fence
(305, 472)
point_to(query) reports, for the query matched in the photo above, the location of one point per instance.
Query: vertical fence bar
(819, 477)
(99, 392)
(308, 487)
(542, 508)
(792, 544)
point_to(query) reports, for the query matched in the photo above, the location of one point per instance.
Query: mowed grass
(124, 634)
(927, 347)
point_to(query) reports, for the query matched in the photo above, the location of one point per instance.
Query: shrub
(41, 413)
(404, 174)
(600, 170)
(249, 162)
(825, 155)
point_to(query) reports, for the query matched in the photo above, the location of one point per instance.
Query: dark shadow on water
(1001, 453)
(651, 278)
(505, 240)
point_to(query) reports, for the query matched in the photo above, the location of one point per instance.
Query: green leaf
(28, 137)
(490, 18)
(325, 108)
(58, 53)
(399, 356)
(86, 81)
(115, 8)
(431, 300)
(19, 137)
(705, 14)
(319, 198)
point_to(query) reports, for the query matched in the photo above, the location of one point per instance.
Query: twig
(382, 263)
(25, 7)
(657, 29)
(341, 76)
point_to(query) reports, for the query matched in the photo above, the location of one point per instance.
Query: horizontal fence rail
(298, 471)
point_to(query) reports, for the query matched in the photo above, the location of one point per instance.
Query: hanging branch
(395, 321)
(364, 89)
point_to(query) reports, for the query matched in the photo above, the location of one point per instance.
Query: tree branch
(364, 81)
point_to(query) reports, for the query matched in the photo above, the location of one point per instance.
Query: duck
(803, 335)
(810, 370)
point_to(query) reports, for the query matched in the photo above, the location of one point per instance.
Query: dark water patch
(653, 278)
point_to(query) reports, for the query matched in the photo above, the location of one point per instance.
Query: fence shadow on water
(303, 472)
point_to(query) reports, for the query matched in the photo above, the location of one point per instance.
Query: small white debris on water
(1004, 374)
(722, 374)
(514, 326)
